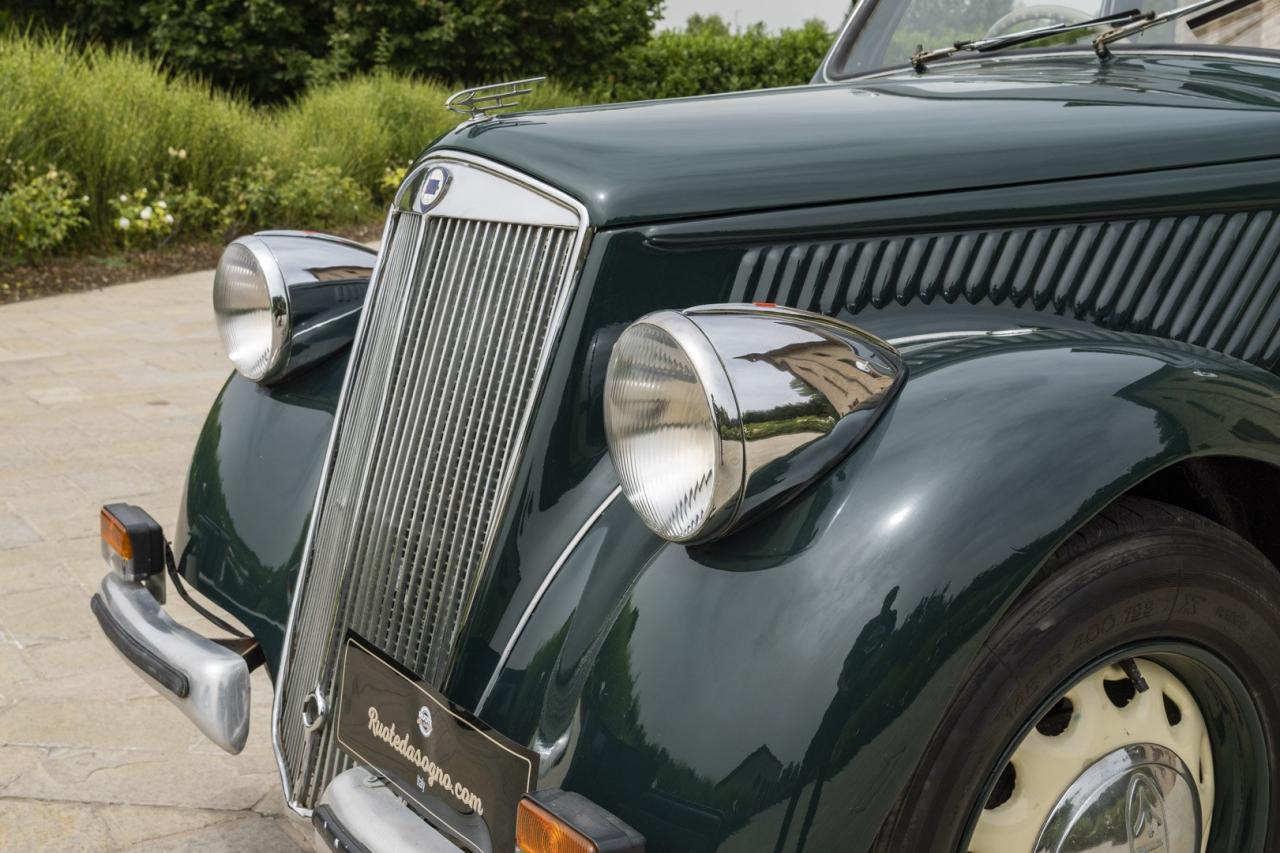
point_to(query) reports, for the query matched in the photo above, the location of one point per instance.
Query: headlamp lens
(247, 322)
(661, 432)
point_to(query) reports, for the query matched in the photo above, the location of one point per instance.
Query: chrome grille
(442, 378)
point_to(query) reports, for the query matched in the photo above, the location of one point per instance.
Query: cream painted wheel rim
(1099, 715)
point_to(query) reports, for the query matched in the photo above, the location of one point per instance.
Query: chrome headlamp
(286, 299)
(251, 306)
(716, 412)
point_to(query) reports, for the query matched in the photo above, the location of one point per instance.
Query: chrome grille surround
(466, 303)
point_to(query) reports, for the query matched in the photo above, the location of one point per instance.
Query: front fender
(776, 690)
(247, 506)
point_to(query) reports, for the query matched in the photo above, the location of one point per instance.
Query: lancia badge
(434, 186)
(424, 721)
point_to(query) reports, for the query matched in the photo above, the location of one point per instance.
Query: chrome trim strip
(540, 592)
(853, 15)
(566, 289)
(309, 330)
(937, 337)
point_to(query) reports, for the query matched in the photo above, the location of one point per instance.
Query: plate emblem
(424, 721)
(434, 185)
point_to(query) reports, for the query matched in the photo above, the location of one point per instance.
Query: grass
(109, 119)
(114, 120)
(365, 124)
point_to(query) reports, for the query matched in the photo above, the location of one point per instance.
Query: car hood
(958, 126)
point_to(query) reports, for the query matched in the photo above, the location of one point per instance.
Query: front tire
(1169, 595)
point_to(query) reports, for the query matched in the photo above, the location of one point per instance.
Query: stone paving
(102, 395)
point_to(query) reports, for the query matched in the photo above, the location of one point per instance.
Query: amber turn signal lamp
(539, 831)
(115, 537)
(555, 821)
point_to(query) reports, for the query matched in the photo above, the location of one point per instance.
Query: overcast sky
(775, 13)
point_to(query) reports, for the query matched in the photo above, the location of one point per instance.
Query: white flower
(168, 218)
(145, 213)
(182, 153)
(173, 152)
(160, 204)
(84, 199)
(122, 223)
(124, 198)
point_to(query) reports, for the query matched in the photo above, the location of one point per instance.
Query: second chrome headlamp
(715, 412)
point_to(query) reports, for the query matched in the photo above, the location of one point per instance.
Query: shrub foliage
(39, 210)
(708, 58)
(488, 40)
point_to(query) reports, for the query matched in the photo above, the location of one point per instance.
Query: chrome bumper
(208, 681)
(358, 813)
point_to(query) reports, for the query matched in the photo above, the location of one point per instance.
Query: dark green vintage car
(884, 464)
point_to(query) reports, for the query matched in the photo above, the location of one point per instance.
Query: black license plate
(463, 774)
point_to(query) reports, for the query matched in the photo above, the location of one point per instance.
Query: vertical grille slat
(441, 383)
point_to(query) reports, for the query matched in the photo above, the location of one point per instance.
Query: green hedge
(709, 59)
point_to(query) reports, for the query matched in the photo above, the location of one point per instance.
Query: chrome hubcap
(1139, 798)
(1111, 767)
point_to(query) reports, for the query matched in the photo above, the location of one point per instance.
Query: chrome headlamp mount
(786, 395)
(286, 299)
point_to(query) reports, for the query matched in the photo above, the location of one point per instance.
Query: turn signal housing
(133, 546)
(555, 821)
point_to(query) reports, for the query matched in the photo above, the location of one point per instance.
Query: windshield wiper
(1150, 19)
(1118, 20)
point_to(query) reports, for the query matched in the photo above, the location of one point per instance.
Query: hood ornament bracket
(481, 102)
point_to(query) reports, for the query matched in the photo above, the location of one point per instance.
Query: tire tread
(1133, 515)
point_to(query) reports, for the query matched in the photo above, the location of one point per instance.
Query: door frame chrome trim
(538, 594)
(566, 291)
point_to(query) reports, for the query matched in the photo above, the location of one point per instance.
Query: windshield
(885, 33)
